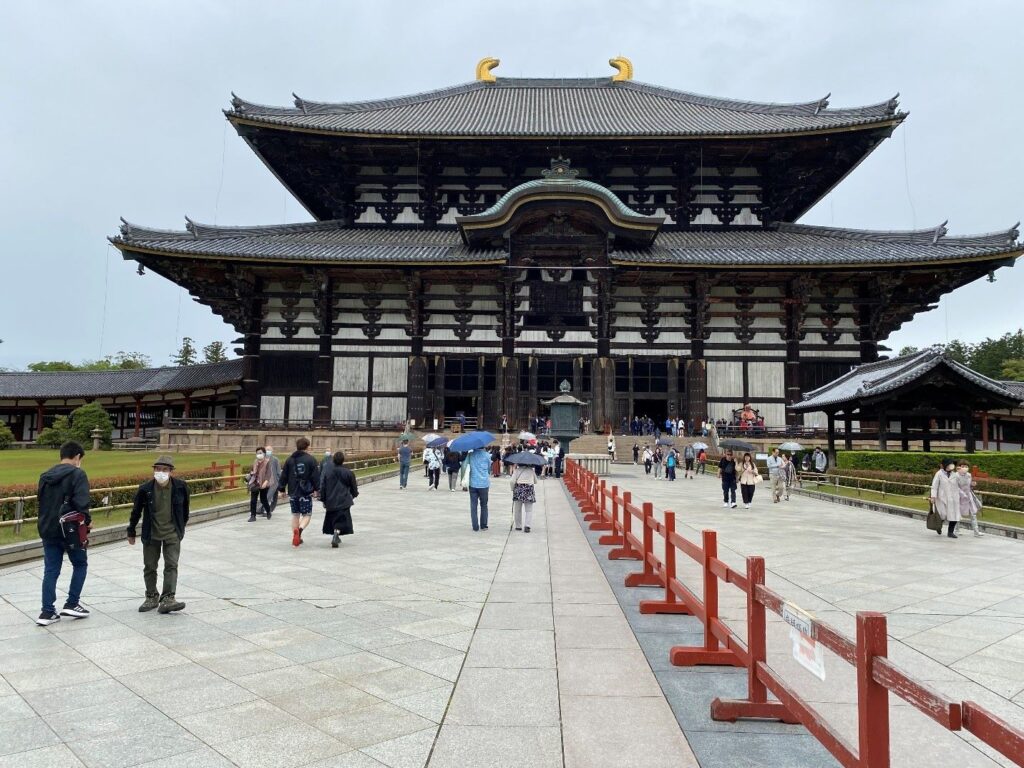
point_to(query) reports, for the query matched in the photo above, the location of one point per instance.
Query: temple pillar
(831, 438)
(438, 393)
(39, 416)
(697, 384)
(186, 410)
(138, 417)
(967, 427)
(674, 407)
(603, 409)
(883, 428)
(325, 359)
(249, 397)
(984, 431)
(847, 431)
(417, 389)
(507, 380)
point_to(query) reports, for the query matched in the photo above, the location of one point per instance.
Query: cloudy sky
(113, 109)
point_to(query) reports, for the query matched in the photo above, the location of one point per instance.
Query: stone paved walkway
(417, 642)
(955, 613)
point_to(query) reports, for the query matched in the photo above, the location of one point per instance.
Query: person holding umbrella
(524, 481)
(479, 461)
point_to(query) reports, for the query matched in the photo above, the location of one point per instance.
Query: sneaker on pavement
(252, 519)
(296, 540)
(76, 611)
(46, 618)
(268, 515)
(336, 540)
(726, 504)
(526, 529)
(733, 505)
(151, 602)
(169, 605)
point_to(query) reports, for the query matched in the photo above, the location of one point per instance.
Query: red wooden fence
(605, 509)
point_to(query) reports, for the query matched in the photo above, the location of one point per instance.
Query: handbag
(464, 475)
(934, 520)
(75, 530)
(976, 500)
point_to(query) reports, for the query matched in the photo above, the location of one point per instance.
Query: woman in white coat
(945, 495)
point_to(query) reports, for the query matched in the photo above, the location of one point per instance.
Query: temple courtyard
(420, 642)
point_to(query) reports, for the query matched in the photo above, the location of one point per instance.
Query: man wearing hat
(163, 505)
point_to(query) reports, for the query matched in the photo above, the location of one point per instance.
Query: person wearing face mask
(945, 495)
(325, 462)
(259, 485)
(969, 504)
(162, 503)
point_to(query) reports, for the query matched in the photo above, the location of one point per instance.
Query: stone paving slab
(417, 642)
(955, 611)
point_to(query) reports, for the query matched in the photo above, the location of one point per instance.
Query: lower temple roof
(783, 245)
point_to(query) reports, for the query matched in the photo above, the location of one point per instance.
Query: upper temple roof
(578, 107)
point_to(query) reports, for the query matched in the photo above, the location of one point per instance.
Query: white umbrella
(430, 438)
(527, 436)
(700, 446)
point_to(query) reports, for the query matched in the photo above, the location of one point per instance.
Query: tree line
(188, 354)
(1001, 358)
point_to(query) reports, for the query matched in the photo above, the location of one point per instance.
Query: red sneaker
(296, 537)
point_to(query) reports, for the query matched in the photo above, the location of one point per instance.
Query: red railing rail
(605, 509)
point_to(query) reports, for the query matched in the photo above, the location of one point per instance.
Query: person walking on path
(162, 503)
(404, 460)
(259, 485)
(689, 456)
(969, 504)
(659, 457)
(749, 478)
(338, 490)
(611, 447)
(788, 474)
(524, 481)
(479, 486)
(775, 476)
(63, 488)
(274, 473)
(727, 474)
(648, 459)
(702, 461)
(433, 469)
(300, 479)
(636, 453)
(670, 464)
(820, 461)
(945, 495)
(452, 464)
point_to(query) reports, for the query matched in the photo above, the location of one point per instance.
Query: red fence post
(602, 523)
(671, 603)
(615, 537)
(711, 653)
(596, 500)
(647, 577)
(872, 697)
(626, 551)
(756, 704)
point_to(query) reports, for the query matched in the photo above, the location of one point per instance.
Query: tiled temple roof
(578, 107)
(84, 384)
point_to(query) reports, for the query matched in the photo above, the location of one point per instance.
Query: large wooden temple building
(474, 246)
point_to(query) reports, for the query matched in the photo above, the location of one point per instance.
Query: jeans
(151, 560)
(403, 475)
(478, 495)
(657, 469)
(729, 489)
(53, 559)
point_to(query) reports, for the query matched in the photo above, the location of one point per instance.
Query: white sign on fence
(807, 651)
(797, 618)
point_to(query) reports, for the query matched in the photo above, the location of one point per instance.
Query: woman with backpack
(452, 463)
(670, 464)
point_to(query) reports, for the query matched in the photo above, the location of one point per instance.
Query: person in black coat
(338, 490)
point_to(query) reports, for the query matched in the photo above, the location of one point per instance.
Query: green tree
(987, 357)
(1013, 369)
(215, 352)
(908, 351)
(57, 435)
(959, 351)
(52, 365)
(79, 427)
(6, 437)
(186, 354)
(120, 361)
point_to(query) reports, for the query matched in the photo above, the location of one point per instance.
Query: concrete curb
(23, 551)
(993, 528)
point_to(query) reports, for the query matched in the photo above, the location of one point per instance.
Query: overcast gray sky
(113, 109)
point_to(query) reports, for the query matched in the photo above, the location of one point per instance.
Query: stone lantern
(96, 435)
(565, 415)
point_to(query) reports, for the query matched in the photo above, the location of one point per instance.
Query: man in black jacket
(300, 479)
(162, 503)
(62, 489)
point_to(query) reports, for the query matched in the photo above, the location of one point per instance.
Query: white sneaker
(726, 504)
(746, 506)
(979, 534)
(733, 504)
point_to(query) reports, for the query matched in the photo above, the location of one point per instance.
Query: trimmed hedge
(875, 480)
(7, 508)
(1005, 466)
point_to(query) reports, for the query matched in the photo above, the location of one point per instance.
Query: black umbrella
(525, 457)
(736, 445)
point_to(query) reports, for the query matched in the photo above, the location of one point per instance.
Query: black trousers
(434, 477)
(261, 494)
(729, 489)
(747, 492)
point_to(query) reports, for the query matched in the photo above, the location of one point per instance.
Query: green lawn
(25, 466)
(918, 502)
(107, 518)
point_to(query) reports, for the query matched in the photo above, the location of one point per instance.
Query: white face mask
(162, 477)
(259, 456)
(270, 451)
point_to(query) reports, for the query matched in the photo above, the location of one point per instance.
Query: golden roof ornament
(624, 67)
(484, 67)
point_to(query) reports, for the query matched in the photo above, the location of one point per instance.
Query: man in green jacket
(162, 503)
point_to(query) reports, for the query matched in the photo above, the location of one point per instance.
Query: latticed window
(555, 304)
(462, 374)
(551, 373)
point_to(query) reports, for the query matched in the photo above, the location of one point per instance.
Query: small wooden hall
(920, 397)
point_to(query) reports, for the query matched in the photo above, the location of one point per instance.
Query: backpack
(75, 530)
(688, 452)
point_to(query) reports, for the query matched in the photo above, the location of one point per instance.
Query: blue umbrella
(526, 457)
(439, 442)
(471, 441)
